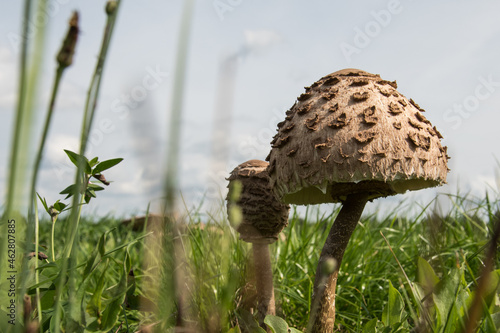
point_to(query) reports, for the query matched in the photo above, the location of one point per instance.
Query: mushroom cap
(350, 132)
(263, 216)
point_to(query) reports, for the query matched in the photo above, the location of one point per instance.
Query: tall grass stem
(31, 57)
(172, 234)
(13, 183)
(37, 277)
(89, 111)
(171, 179)
(52, 234)
(38, 158)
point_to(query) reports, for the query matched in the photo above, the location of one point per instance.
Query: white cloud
(56, 145)
(256, 40)
(484, 183)
(135, 183)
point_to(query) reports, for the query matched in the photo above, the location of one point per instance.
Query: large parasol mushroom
(351, 137)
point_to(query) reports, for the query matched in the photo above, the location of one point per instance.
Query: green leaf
(90, 192)
(276, 324)
(94, 306)
(96, 255)
(73, 326)
(492, 288)
(426, 276)
(371, 326)
(131, 284)
(72, 156)
(394, 310)
(248, 323)
(53, 323)
(95, 187)
(112, 311)
(76, 315)
(489, 322)
(79, 161)
(44, 202)
(445, 297)
(93, 161)
(59, 206)
(70, 191)
(47, 299)
(137, 302)
(490, 303)
(104, 165)
(495, 322)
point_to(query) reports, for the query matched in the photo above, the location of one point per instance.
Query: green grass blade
(94, 307)
(174, 126)
(112, 311)
(394, 310)
(91, 103)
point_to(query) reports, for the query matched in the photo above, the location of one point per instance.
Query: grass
(217, 277)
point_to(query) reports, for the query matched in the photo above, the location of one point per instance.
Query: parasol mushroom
(263, 217)
(351, 137)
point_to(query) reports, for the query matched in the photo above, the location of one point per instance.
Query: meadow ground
(409, 274)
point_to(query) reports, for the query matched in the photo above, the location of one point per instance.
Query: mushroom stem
(322, 316)
(264, 279)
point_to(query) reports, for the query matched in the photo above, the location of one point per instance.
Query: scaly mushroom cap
(263, 216)
(353, 132)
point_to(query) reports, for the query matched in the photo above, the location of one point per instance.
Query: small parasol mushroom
(351, 137)
(262, 219)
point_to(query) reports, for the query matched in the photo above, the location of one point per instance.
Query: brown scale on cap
(304, 97)
(416, 105)
(339, 121)
(359, 83)
(354, 111)
(365, 137)
(395, 108)
(360, 96)
(333, 108)
(370, 116)
(312, 123)
(415, 124)
(263, 216)
(329, 95)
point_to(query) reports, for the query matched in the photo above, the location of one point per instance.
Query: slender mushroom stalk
(326, 282)
(259, 219)
(264, 280)
(351, 137)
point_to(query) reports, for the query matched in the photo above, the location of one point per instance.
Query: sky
(247, 63)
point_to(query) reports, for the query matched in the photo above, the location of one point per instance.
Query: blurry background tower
(255, 42)
(223, 113)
